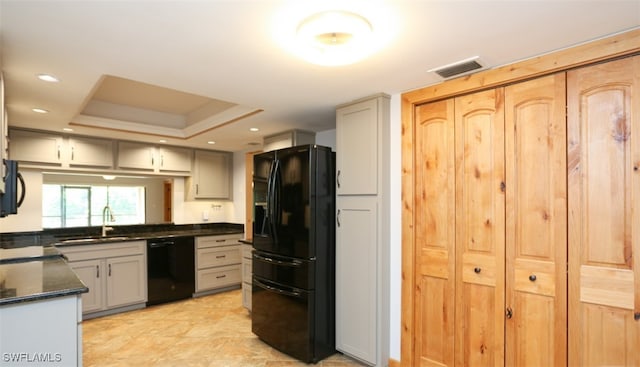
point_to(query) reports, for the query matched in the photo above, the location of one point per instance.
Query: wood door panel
(538, 139)
(481, 269)
(435, 322)
(605, 174)
(610, 287)
(534, 339)
(478, 186)
(480, 216)
(481, 344)
(435, 234)
(609, 335)
(537, 277)
(604, 203)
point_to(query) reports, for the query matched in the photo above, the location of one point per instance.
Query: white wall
(327, 139)
(29, 217)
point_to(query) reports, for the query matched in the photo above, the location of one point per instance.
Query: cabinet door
(126, 280)
(434, 255)
(357, 149)
(356, 277)
(604, 213)
(175, 159)
(91, 273)
(212, 176)
(480, 212)
(28, 146)
(135, 156)
(90, 152)
(536, 236)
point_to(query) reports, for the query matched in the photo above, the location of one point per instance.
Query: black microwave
(9, 201)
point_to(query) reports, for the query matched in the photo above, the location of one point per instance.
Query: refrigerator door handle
(274, 208)
(274, 289)
(294, 263)
(270, 189)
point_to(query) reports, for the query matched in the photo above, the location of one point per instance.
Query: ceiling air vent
(458, 68)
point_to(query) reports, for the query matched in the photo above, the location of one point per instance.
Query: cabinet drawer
(90, 252)
(218, 277)
(218, 256)
(217, 241)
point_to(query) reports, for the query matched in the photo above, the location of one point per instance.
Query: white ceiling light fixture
(335, 37)
(39, 110)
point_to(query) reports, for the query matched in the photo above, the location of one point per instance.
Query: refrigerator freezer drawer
(281, 317)
(292, 272)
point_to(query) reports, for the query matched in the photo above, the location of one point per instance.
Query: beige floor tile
(211, 331)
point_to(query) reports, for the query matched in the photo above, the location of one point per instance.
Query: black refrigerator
(293, 293)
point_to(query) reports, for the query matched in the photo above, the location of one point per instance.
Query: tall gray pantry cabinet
(362, 251)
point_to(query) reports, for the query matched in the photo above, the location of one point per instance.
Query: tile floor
(211, 331)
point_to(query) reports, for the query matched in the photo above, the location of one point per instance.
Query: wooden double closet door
(527, 223)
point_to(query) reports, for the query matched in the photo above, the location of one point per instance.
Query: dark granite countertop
(91, 235)
(27, 253)
(38, 279)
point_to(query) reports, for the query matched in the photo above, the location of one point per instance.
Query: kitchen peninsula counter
(34, 279)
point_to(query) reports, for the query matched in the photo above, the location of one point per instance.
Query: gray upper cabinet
(174, 159)
(90, 152)
(357, 135)
(288, 139)
(135, 156)
(211, 175)
(35, 147)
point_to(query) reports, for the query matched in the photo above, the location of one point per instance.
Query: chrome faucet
(106, 210)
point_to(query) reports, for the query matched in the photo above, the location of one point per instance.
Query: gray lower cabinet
(247, 273)
(115, 273)
(218, 263)
(49, 328)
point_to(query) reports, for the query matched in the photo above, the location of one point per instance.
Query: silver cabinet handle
(97, 271)
(338, 179)
(338, 218)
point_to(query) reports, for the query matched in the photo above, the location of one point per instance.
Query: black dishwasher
(170, 269)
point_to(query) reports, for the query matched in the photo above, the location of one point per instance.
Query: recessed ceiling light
(39, 110)
(67, 129)
(162, 140)
(211, 142)
(254, 129)
(48, 78)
